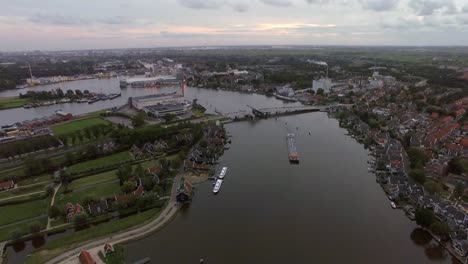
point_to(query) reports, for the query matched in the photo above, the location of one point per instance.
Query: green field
(101, 162)
(93, 180)
(18, 212)
(60, 245)
(77, 125)
(6, 232)
(105, 189)
(12, 102)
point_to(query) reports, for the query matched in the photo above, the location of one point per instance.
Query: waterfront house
(461, 247)
(6, 185)
(108, 249)
(184, 192)
(85, 258)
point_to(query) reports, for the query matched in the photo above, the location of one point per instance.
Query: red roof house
(7, 185)
(85, 258)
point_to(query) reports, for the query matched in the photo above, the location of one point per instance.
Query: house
(184, 193)
(98, 208)
(155, 172)
(108, 249)
(73, 210)
(6, 185)
(85, 258)
(461, 247)
(126, 199)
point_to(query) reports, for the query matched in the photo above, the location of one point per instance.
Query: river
(214, 100)
(327, 209)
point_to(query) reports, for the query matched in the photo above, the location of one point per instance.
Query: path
(2, 246)
(164, 217)
(49, 220)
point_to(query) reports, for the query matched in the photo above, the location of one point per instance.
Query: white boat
(222, 173)
(217, 186)
(393, 205)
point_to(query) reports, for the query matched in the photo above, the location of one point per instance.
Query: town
(69, 180)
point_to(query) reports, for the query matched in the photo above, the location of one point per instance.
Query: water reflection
(420, 237)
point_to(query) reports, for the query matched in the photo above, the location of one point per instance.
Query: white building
(323, 83)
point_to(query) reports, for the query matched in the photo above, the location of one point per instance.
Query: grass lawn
(12, 102)
(105, 189)
(22, 191)
(17, 212)
(35, 179)
(6, 232)
(93, 180)
(77, 125)
(60, 245)
(101, 162)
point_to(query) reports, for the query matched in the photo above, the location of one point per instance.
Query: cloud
(56, 20)
(116, 20)
(279, 3)
(214, 4)
(462, 19)
(465, 8)
(239, 7)
(379, 5)
(201, 4)
(429, 7)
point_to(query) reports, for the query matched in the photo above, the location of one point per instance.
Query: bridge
(284, 110)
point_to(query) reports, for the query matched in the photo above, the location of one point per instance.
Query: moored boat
(222, 173)
(393, 205)
(217, 186)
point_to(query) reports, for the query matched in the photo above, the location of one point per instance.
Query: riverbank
(12, 102)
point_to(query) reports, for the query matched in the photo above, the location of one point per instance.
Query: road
(49, 220)
(93, 247)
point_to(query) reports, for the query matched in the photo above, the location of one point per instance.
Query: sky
(107, 24)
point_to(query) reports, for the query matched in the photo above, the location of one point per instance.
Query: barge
(292, 151)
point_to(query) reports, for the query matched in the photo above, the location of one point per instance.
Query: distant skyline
(108, 24)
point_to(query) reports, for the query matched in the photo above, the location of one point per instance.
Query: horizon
(246, 46)
(45, 25)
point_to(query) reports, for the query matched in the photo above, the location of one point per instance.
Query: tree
(73, 138)
(138, 120)
(88, 200)
(417, 158)
(418, 175)
(49, 190)
(441, 229)
(203, 143)
(87, 133)
(124, 173)
(456, 166)
(320, 91)
(79, 136)
(55, 212)
(459, 190)
(91, 151)
(139, 172)
(432, 187)
(424, 217)
(64, 178)
(175, 163)
(169, 117)
(69, 158)
(80, 219)
(148, 183)
(16, 234)
(127, 187)
(35, 228)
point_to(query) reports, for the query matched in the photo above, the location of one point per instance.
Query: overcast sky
(88, 24)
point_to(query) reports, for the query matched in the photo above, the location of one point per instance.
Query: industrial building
(161, 104)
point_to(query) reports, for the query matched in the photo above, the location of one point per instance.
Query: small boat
(217, 186)
(393, 205)
(223, 172)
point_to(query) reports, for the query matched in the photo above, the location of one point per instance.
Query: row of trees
(26, 146)
(54, 94)
(87, 133)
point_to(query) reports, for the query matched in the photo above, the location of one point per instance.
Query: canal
(327, 209)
